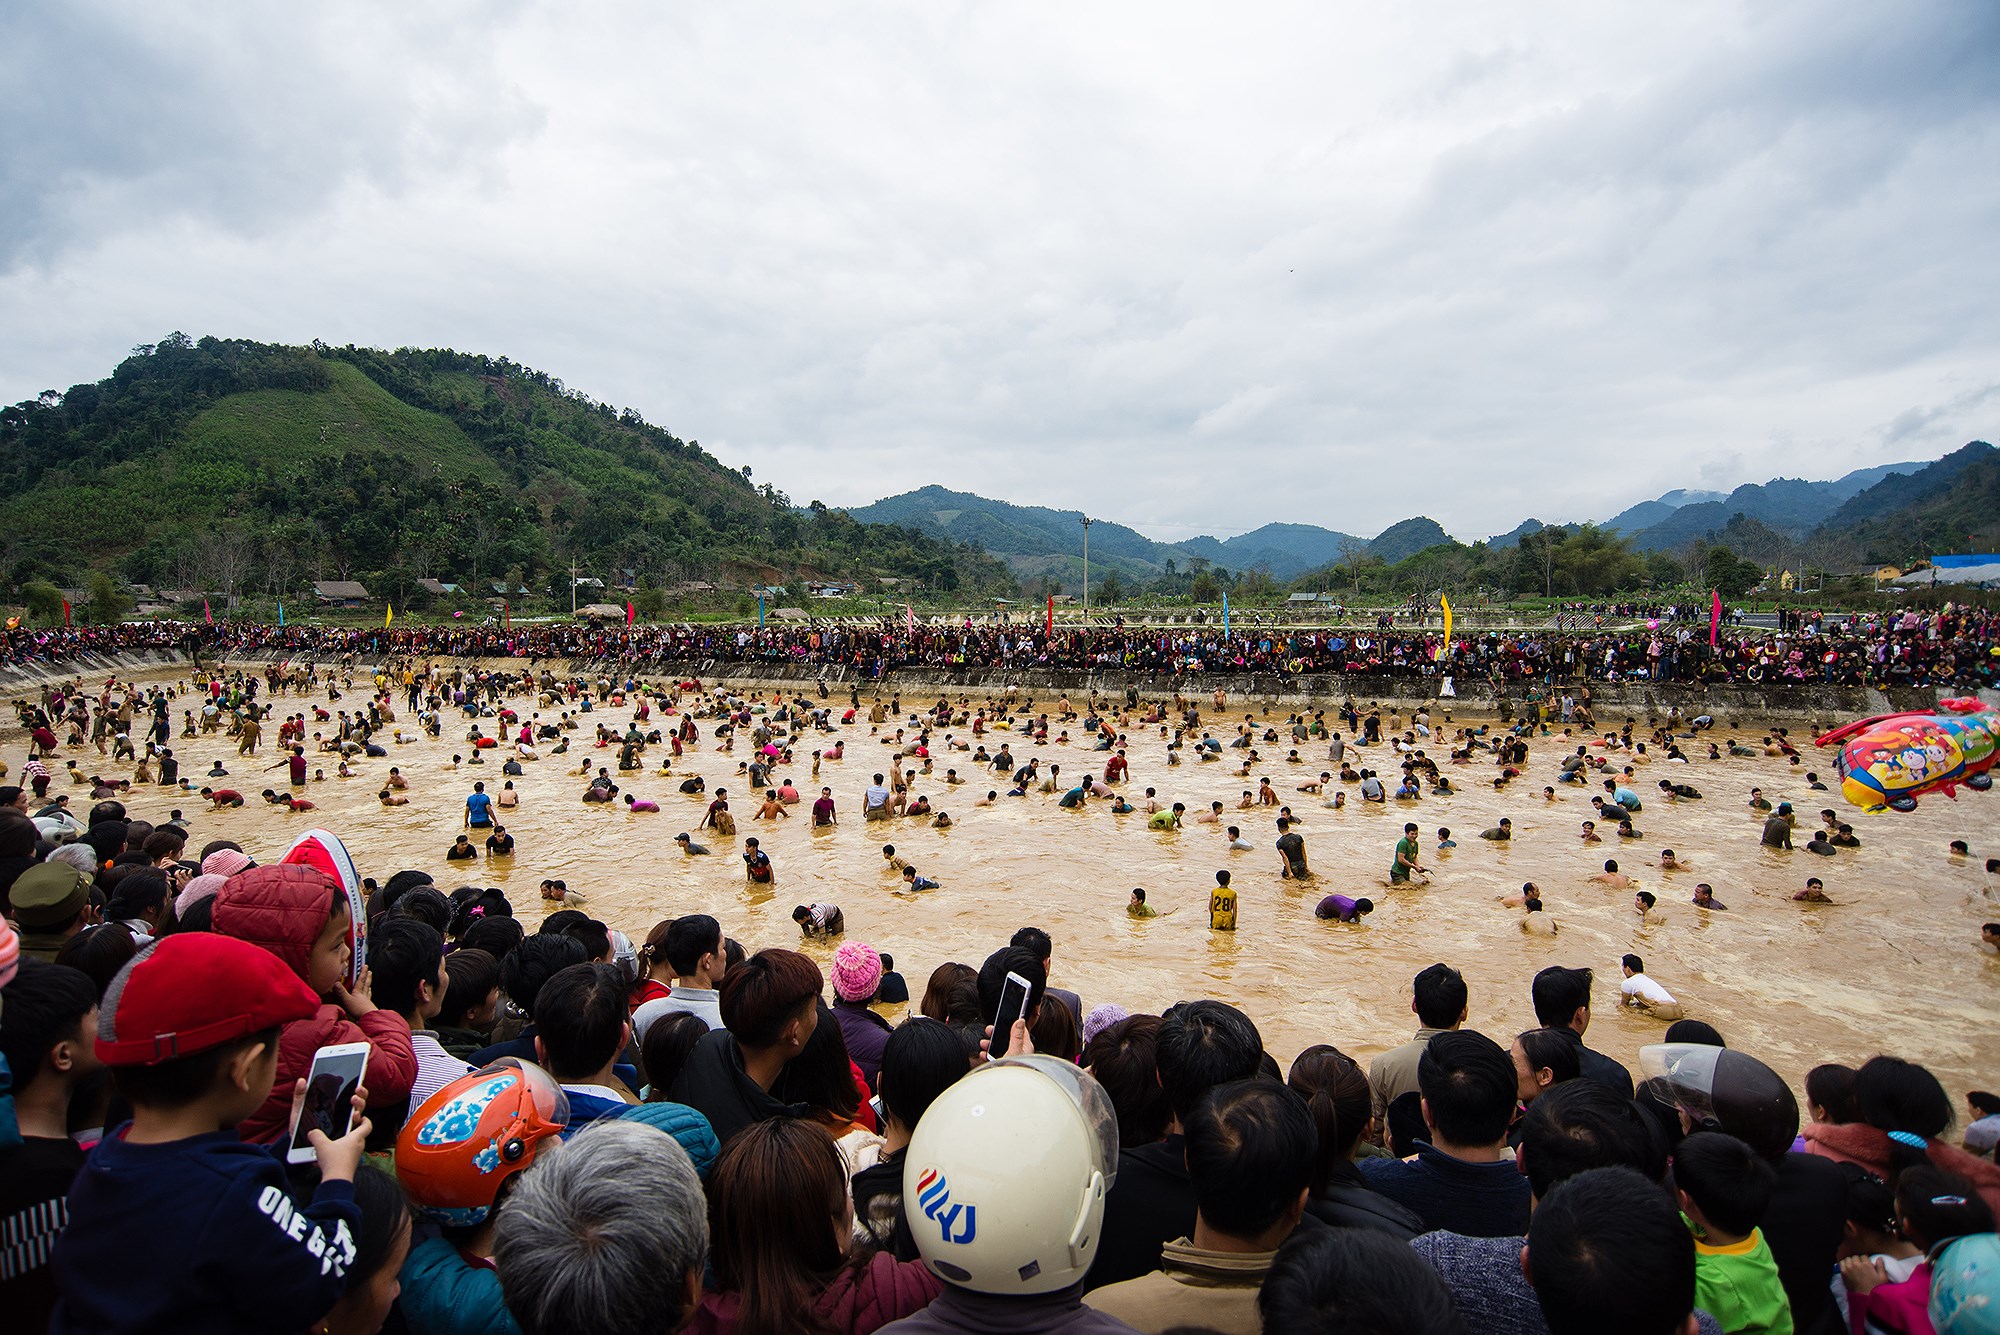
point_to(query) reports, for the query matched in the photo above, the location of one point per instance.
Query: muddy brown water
(1895, 965)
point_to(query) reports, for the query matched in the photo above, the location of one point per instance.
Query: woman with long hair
(656, 976)
(952, 995)
(1342, 1106)
(1543, 1059)
(780, 1227)
(1904, 1114)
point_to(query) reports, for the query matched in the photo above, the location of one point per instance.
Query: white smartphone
(328, 1102)
(1013, 1004)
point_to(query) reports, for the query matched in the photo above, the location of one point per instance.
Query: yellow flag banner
(1445, 647)
(388, 613)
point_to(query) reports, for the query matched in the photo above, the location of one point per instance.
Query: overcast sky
(1194, 268)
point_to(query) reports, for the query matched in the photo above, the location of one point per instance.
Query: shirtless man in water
(1612, 877)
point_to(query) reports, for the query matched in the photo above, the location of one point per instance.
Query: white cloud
(1204, 268)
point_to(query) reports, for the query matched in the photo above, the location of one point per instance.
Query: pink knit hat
(225, 862)
(201, 887)
(10, 952)
(857, 971)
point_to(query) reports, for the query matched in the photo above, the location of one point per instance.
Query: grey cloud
(1202, 271)
(239, 117)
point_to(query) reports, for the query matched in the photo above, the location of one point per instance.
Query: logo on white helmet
(957, 1222)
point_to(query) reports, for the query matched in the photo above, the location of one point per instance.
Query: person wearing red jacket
(300, 914)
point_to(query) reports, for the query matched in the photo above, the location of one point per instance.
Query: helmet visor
(551, 1104)
(1091, 1101)
(1721, 1089)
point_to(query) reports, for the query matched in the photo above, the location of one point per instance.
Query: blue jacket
(585, 1108)
(443, 1295)
(198, 1235)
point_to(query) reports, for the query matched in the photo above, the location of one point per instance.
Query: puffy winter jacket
(1859, 1143)
(862, 1299)
(866, 1033)
(283, 909)
(444, 1295)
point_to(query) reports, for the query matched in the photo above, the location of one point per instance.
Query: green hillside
(1962, 517)
(1399, 542)
(1928, 488)
(253, 468)
(1034, 540)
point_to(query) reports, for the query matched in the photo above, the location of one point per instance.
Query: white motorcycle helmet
(1005, 1178)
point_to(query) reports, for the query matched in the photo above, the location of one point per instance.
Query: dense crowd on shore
(592, 1135)
(1955, 647)
(562, 1129)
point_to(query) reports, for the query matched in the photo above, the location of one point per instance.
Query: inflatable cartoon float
(1886, 762)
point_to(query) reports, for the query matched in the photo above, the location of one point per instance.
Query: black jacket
(1150, 1205)
(1596, 1066)
(1802, 1226)
(714, 1084)
(1348, 1202)
(878, 1207)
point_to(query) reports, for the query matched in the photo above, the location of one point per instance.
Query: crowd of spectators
(1956, 648)
(560, 1130)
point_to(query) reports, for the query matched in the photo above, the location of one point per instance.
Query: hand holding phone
(329, 1103)
(1009, 1032)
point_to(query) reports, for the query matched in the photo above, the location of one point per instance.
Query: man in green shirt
(1406, 857)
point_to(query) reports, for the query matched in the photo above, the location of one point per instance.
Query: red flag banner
(1049, 628)
(910, 618)
(207, 612)
(1714, 616)
(65, 611)
(629, 614)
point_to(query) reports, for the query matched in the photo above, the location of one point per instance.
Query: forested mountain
(1890, 515)
(1648, 513)
(235, 466)
(1283, 549)
(1406, 539)
(1041, 542)
(1032, 539)
(239, 467)
(1528, 528)
(1913, 485)
(1790, 506)
(1952, 506)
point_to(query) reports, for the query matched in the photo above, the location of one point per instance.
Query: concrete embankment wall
(1613, 701)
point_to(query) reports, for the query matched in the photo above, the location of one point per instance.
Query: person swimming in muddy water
(1548, 851)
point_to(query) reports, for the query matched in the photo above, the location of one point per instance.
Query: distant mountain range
(1790, 506)
(1878, 511)
(1037, 541)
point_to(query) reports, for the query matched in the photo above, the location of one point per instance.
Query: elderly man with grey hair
(606, 1234)
(80, 856)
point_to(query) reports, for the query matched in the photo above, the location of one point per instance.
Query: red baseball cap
(192, 991)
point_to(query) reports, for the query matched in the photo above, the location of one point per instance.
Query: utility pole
(572, 588)
(1086, 571)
